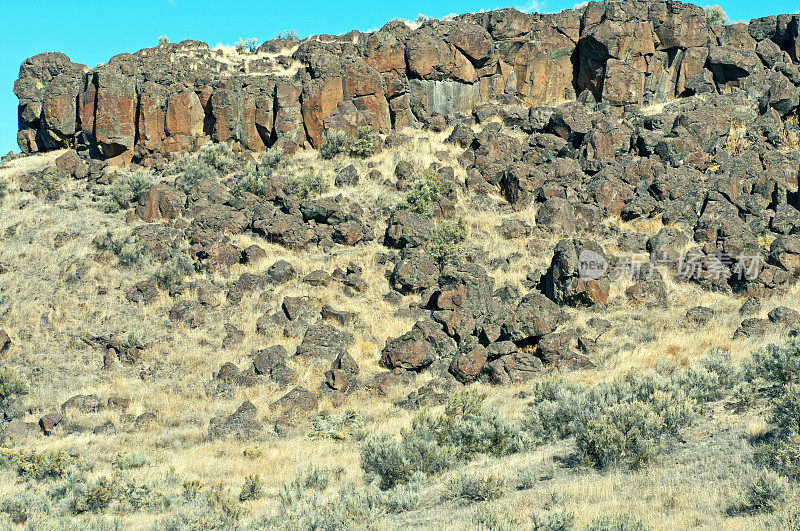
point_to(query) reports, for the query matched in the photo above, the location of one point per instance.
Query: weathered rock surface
(161, 99)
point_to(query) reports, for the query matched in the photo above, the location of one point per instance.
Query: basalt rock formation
(289, 93)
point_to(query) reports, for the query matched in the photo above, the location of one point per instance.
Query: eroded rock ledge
(289, 93)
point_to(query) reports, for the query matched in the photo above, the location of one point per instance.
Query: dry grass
(55, 295)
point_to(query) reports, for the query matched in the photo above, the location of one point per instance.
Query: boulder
(415, 272)
(534, 316)
(242, 425)
(578, 274)
(466, 366)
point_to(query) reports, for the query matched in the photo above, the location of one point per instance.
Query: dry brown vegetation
(57, 289)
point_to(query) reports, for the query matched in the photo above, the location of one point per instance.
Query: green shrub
(96, 498)
(4, 184)
(169, 276)
(211, 162)
(395, 462)
(786, 410)
(30, 464)
(766, 493)
(314, 478)
(445, 244)
(776, 363)
(12, 385)
(486, 516)
(289, 35)
(218, 499)
(51, 184)
(193, 171)
(362, 145)
(711, 379)
(305, 186)
(252, 489)
(621, 423)
(191, 489)
(788, 520)
(474, 488)
(715, 16)
(124, 244)
(335, 142)
(617, 522)
(426, 190)
(782, 451)
(125, 494)
(131, 460)
(561, 520)
(128, 189)
(253, 452)
(273, 158)
(437, 441)
(246, 45)
(405, 497)
(256, 178)
(219, 156)
(340, 427)
(628, 433)
(348, 509)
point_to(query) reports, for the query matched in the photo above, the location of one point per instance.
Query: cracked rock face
(288, 94)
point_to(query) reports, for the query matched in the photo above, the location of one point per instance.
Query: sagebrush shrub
(334, 143)
(252, 489)
(764, 494)
(12, 385)
(169, 276)
(437, 441)
(193, 171)
(308, 185)
(4, 184)
(30, 464)
(776, 363)
(124, 244)
(52, 184)
(617, 522)
(273, 158)
(445, 244)
(474, 487)
(218, 156)
(782, 451)
(131, 460)
(715, 16)
(340, 427)
(249, 45)
(561, 520)
(211, 162)
(425, 191)
(128, 189)
(362, 145)
(289, 35)
(625, 422)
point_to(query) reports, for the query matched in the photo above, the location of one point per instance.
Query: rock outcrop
(177, 96)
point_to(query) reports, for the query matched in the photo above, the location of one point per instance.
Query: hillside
(498, 271)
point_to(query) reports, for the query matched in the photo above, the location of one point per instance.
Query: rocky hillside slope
(526, 280)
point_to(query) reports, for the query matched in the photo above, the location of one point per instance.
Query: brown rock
(161, 201)
(184, 114)
(297, 401)
(468, 365)
(49, 422)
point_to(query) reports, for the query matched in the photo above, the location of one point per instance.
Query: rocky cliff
(289, 93)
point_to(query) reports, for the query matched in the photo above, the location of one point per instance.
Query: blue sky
(91, 32)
